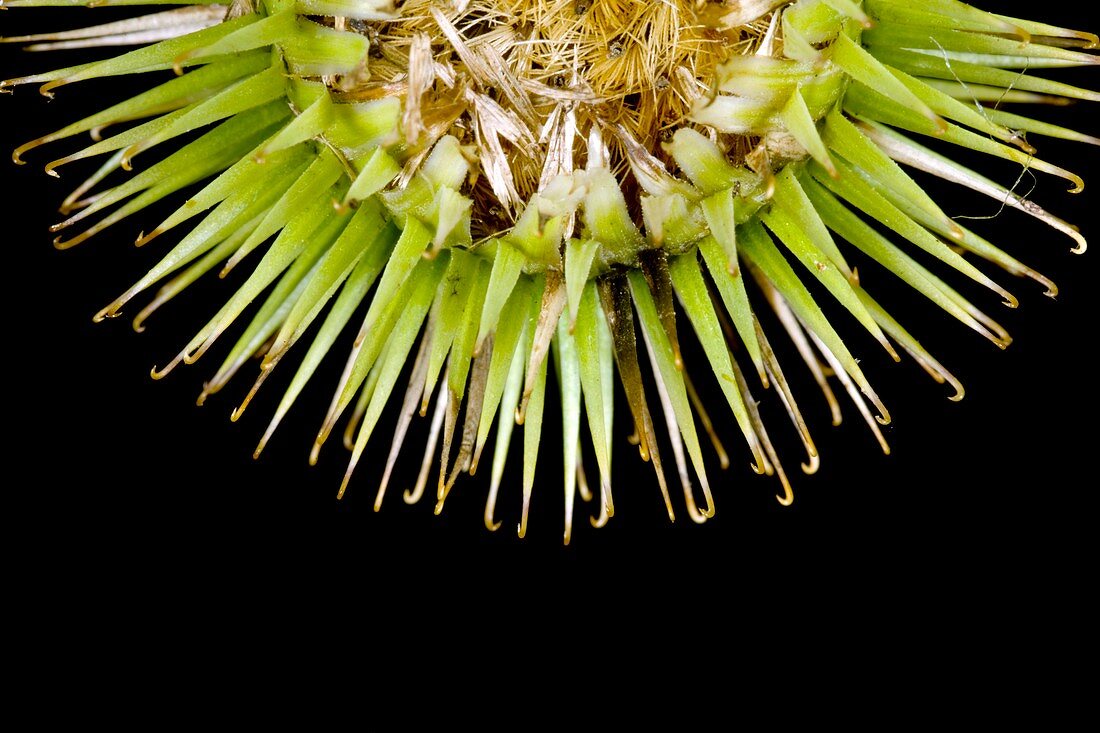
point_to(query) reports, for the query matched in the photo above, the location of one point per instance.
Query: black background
(993, 488)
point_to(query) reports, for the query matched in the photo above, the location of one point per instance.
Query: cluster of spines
(353, 206)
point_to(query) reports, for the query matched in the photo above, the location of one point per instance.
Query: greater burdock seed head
(486, 187)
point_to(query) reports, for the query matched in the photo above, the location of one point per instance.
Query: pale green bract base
(357, 214)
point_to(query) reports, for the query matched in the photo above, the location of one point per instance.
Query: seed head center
(637, 66)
